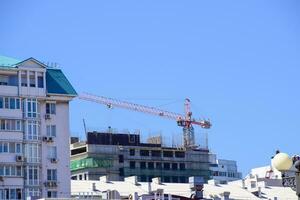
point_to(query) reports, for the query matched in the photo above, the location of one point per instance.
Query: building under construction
(120, 155)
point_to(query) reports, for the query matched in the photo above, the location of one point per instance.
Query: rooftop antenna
(84, 126)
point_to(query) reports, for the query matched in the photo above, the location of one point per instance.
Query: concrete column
(28, 84)
(44, 79)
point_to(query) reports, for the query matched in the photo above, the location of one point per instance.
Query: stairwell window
(51, 130)
(51, 174)
(33, 130)
(32, 108)
(51, 108)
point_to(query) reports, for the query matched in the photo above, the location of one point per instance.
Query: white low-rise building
(224, 171)
(34, 130)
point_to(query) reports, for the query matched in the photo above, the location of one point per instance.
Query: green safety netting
(91, 163)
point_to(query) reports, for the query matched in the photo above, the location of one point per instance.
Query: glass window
(19, 171)
(32, 79)
(51, 108)
(5, 147)
(51, 174)
(1, 102)
(6, 103)
(52, 152)
(18, 148)
(17, 103)
(40, 80)
(12, 103)
(24, 78)
(51, 130)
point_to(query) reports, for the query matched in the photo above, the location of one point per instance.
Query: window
(33, 192)
(175, 179)
(24, 78)
(174, 166)
(144, 152)
(51, 174)
(156, 153)
(40, 80)
(10, 125)
(32, 79)
(3, 80)
(167, 179)
(32, 130)
(143, 165)
(158, 165)
(32, 153)
(166, 166)
(31, 108)
(52, 194)
(51, 130)
(179, 154)
(10, 170)
(52, 152)
(6, 147)
(121, 171)
(121, 159)
(51, 108)
(150, 165)
(168, 154)
(32, 175)
(9, 103)
(132, 152)
(11, 193)
(132, 165)
(18, 148)
(182, 166)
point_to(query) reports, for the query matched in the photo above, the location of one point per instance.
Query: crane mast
(186, 121)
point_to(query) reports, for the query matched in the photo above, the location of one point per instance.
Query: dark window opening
(166, 166)
(158, 165)
(121, 171)
(156, 153)
(182, 166)
(121, 158)
(168, 154)
(132, 165)
(174, 166)
(143, 165)
(144, 152)
(132, 152)
(179, 154)
(150, 165)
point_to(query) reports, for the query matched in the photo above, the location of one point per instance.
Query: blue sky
(238, 62)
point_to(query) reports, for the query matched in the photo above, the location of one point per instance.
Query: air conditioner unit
(19, 158)
(53, 160)
(50, 139)
(51, 184)
(47, 116)
(47, 139)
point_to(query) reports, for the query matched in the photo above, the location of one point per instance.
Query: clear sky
(238, 62)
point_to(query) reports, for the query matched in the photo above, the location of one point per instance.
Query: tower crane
(186, 121)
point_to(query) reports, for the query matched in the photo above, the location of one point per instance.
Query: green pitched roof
(7, 61)
(57, 83)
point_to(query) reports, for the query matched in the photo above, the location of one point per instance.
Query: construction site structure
(120, 155)
(186, 121)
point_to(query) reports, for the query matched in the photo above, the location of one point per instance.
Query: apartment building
(34, 130)
(120, 155)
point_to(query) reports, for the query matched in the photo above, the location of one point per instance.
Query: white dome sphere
(282, 162)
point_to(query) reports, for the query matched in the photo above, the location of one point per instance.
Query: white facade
(34, 134)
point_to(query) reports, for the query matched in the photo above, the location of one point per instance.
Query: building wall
(30, 163)
(196, 163)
